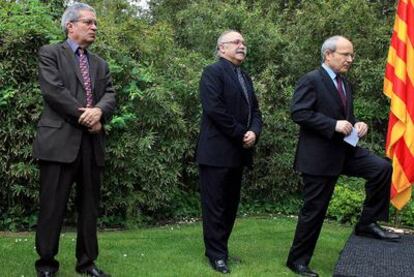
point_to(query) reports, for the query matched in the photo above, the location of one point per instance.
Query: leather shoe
(45, 274)
(93, 271)
(375, 231)
(302, 269)
(220, 266)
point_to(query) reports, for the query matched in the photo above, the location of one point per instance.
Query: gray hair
(329, 45)
(72, 12)
(220, 40)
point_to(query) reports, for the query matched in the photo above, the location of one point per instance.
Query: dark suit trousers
(56, 180)
(318, 191)
(220, 197)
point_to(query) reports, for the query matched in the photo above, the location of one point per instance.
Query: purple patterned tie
(341, 90)
(84, 69)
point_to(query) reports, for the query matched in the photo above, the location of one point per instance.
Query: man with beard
(78, 99)
(322, 105)
(230, 126)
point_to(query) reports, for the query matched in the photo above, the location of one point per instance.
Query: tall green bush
(156, 61)
(23, 29)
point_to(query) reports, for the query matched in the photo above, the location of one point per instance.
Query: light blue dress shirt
(74, 46)
(332, 75)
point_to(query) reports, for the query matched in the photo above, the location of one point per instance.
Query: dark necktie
(245, 93)
(340, 89)
(84, 69)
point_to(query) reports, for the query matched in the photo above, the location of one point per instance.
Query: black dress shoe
(93, 271)
(375, 231)
(45, 274)
(220, 266)
(302, 269)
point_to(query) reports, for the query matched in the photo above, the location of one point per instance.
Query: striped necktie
(84, 69)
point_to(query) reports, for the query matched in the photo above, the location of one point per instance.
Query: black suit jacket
(59, 135)
(316, 106)
(225, 116)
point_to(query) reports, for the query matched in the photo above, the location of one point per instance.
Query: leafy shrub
(346, 203)
(156, 61)
(23, 29)
(404, 217)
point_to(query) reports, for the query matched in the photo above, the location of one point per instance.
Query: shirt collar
(73, 45)
(230, 63)
(329, 70)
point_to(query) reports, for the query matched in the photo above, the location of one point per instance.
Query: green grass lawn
(177, 250)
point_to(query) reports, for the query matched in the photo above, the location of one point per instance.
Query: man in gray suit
(78, 99)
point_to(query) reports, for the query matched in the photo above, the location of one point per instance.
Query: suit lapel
(230, 70)
(93, 65)
(67, 51)
(333, 92)
(348, 97)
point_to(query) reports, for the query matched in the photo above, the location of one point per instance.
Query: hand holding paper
(352, 138)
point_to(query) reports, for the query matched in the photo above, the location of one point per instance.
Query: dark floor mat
(365, 257)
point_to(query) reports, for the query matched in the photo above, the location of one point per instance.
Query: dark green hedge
(156, 61)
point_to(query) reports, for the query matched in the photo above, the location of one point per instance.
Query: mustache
(241, 51)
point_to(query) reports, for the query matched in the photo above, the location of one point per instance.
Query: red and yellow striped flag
(399, 87)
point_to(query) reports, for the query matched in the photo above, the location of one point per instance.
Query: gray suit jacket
(59, 135)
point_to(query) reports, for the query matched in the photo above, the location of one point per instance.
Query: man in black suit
(78, 99)
(230, 126)
(322, 105)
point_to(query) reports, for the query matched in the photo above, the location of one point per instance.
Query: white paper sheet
(352, 138)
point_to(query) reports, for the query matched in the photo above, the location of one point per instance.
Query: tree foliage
(156, 59)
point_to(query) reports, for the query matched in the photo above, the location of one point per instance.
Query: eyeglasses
(235, 42)
(347, 55)
(88, 22)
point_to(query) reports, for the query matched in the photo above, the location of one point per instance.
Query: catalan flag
(399, 87)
